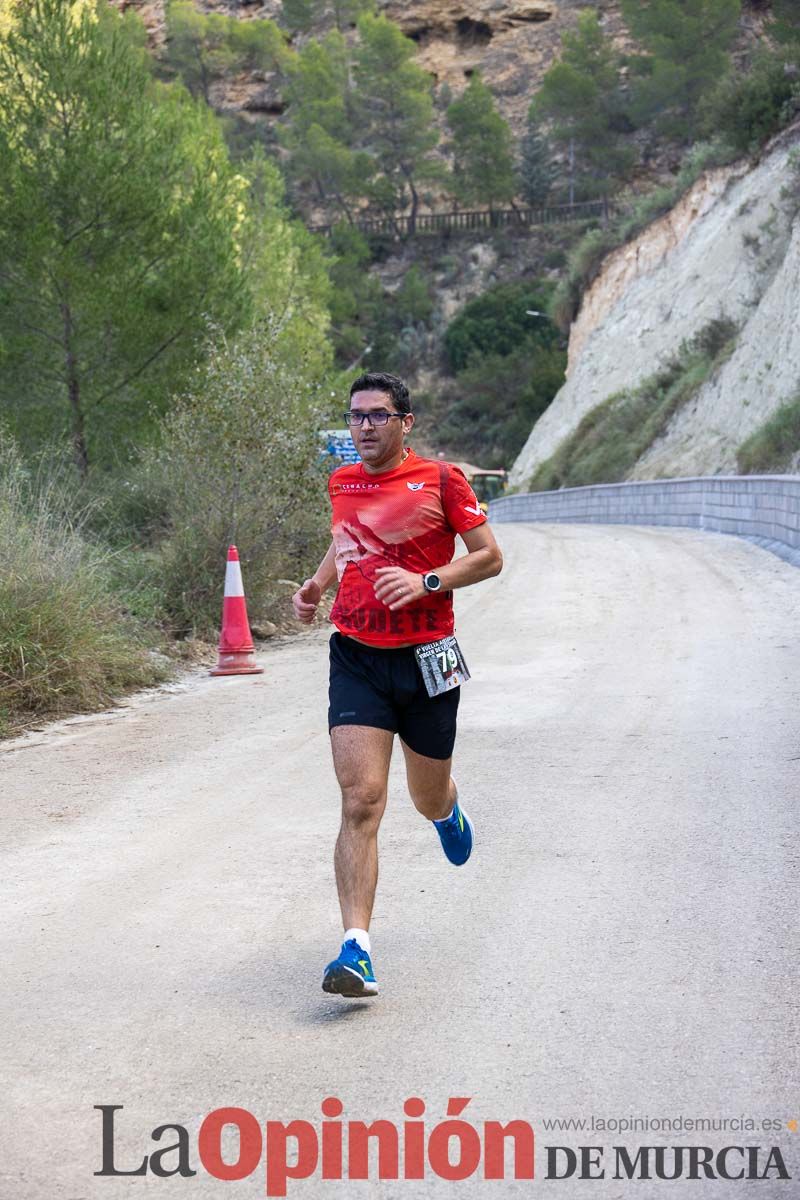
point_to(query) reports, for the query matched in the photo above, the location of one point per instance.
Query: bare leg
(361, 757)
(430, 784)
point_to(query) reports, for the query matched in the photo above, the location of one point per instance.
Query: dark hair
(380, 381)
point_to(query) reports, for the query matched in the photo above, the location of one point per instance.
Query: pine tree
(581, 96)
(319, 132)
(318, 88)
(201, 47)
(537, 171)
(687, 43)
(256, 45)
(483, 162)
(298, 15)
(196, 48)
(394, 114)
(123, 228)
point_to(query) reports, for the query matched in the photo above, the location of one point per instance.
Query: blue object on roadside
(339, 445)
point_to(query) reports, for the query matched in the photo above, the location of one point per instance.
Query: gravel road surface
(623, 943)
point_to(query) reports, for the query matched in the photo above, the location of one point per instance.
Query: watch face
(432, 581)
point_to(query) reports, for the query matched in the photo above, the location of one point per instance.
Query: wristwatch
(431, 582)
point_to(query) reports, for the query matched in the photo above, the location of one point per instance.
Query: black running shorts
(384, 689)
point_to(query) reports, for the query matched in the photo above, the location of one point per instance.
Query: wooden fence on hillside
(463, 222)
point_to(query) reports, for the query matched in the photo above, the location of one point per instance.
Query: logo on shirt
(477, 509)
(415, 487)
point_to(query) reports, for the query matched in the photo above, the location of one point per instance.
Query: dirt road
(624, 942)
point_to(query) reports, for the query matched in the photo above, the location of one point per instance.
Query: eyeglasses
(374, 418)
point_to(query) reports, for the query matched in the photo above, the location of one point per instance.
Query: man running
(395, 517)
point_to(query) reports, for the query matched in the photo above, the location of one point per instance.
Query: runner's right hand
(305, 601)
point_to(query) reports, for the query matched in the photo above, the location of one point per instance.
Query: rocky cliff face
(730, 248)
(511, 42)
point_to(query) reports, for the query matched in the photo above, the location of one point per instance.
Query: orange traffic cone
(236, 649)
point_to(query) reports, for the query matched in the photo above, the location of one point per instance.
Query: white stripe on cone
(233, 578)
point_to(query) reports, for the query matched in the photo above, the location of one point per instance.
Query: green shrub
(715, 341)
(510, 364)
(496, 400)
(496, 322)
(555, 259)
(241, 463)
(747, 110)
(66, 642)
(413, 299)
(583, 264)
(129, 505)
(615, 434)
(772, 447)
(135, 574)
(392, 324)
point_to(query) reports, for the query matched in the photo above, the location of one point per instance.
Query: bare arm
(483, 559)
(325, 574)
(307, 598)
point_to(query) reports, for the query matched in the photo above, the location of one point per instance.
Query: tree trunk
(572, 170)
(204, 78)
(80, 451)
(412, 220)
(340, 200)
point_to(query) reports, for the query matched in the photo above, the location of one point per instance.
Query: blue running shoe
(351, 973)
(456, 835)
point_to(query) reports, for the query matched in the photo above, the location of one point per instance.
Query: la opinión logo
(452, 1149)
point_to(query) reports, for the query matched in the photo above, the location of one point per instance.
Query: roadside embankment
(728, 251)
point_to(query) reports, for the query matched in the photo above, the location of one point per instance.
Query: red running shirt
(407, 517)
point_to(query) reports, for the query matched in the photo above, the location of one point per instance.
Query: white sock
(452, 810)
(361, 936)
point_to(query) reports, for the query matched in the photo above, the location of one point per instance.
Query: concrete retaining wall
(765, 509)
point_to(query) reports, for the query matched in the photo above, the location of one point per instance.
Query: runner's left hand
(395, 587)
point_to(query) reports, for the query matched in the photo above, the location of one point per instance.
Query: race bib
(442, 665)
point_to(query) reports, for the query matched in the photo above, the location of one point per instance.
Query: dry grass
(66, 644)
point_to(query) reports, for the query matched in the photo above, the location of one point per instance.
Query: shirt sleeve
(461, 507)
